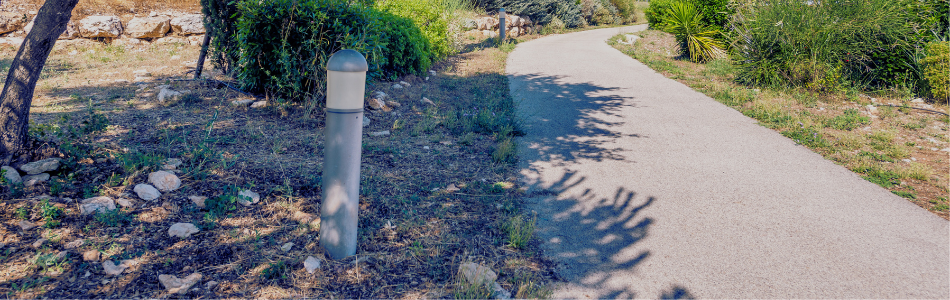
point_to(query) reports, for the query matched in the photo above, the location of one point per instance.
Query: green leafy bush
(657, 13)
(865, 43)
(626, 10)
(937, 70)
(697, 41)
(597, 12)
(542, 12)
(428, 16)
(407, 50)
(221, 25)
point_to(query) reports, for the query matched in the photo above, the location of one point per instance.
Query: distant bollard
(501, 25)
(346, 81)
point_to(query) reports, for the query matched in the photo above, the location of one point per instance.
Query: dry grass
(414, 232)
(898, 148)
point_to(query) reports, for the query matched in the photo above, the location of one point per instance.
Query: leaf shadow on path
(589, 235)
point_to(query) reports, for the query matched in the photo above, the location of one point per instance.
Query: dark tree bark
(17, 95)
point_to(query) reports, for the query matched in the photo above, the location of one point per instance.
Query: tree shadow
(589, 236)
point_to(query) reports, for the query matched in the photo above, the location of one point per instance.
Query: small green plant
(505, 151)
(275, 270)
(936, 69)
(50, 213)
(469, 290)
(807, 136)
(519, 231)
(22, 213)
(222, 205)
(904, 194)
(113, 218)
(849, 120)
(697, 41)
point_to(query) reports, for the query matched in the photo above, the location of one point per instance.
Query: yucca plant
(696, 40)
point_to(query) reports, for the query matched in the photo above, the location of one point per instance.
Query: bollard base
(341, 183)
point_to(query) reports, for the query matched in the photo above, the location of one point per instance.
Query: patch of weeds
(904, 194)
(918, 171)
(50, 213)
(897, 152)
(507, 46)
(25, 284)
(807, 136)
(135, 161)
(467, 139)
(505, 151)
(222, 205)
(22, 213)
(876, 156)
(886, 112)
(940, 204)
(849, 120)
(58, 186)
(527, 287)
(519, 231)
(468, 290)
(881, 177)
(275, 270)
(113, 218)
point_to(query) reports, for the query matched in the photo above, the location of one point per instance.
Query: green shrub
(937, 70)
(542, 12)
(825, 45)
(221, 25)
(657, 13)
(626, 10)
(598, 12)
(428, 16)
(697, 41)
(407, 50)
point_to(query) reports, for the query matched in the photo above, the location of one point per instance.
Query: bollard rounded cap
(347, 60)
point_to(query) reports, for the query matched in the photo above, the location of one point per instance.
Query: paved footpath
(645, 188)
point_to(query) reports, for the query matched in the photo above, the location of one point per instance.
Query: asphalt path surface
(645, 188)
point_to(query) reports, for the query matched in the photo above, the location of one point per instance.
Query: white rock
(11, 21)
(167, 94)
(500, 292)
(393, 104)
(35, 179)
(871, 109)
(311, 264)
(432, 72)
(375, 103)
(146, 192)
(90, 255)
(26, 225)
(171, 164)
(182, 230)
(96, 205)
(147, 27)
(112, 269)
(906, 160)
(945, 149)
(380, 133)
(396, 86)
(425, 147)
(125, 202)
(366, 121)
(380, 95)
(100, 26)
(72, 31)
(61, 255)
(258, 104)
(917, 100)
(198, 200)
(242, 102)
(286, 247)
(188, 24)
(171, 40)
(143, 73)
(477, 274)
(427, 101)
(164, 181)
(452, 188)
(75, 244)
(405, 84)
(39, 243)
(11, 174)
(40, 166)
(174, 284)
(248, 198)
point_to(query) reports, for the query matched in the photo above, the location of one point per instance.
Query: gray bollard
(501, 25)
(346, 82)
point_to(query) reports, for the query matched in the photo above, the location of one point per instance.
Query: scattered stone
(393, 104)
(380, 95)
(147, 27)
(122, 81)
(375, 103)
(174, 284)
(167, 94)
(198, 200)
(906, 160)
(147, 192)
(171, 40)
(452, 188)
(396, 86)
(35, 179)
(125, 202)
(142, 73)
(164, 181)
(11, 21)
(100, 26)
(286, 247)
(91, 255)
(96, 205)
(242, 102)
(39, 243)
(311, 264)
(432, 72)
(248, 198)
(425, 147)
(259, 104)
(188, 24)
(26, 225)
(945, 149)
(477, 274)
(62, 255)
(172, 164)
(500, 292)
(379, 133)
(427, 101)
(917, 100)
(75, 244)
(210, 284)
(182, 230)
(40, 166)
(11, 174)
(405, 84)
(366, 121)
(871, 109)
(427, 78)
(112, 269)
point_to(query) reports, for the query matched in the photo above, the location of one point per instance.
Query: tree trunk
(17, 95)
